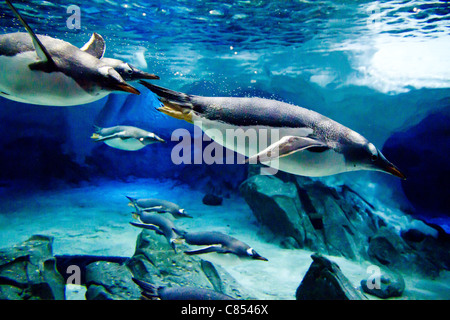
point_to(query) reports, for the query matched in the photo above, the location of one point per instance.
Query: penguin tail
(175, 104)
(97, 128)
(132, 200)
(96, 135)
(148, 290)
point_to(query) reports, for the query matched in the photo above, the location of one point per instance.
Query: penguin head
(150, 138)
(111, 80)
(365, 156)
(251, 253)
(183, 213)
(127, 71)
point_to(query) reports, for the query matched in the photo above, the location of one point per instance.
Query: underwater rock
(212, 200)
(436, 250)
(423, 153)
(154, 261)
(390, 284)
(28, 271)
(324, 280)
(276, 205)
(412, 235)
(63, 263)
(317, 217)
(110, 281)
(389, 249)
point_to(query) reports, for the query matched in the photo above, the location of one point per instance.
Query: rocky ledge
(308, 214)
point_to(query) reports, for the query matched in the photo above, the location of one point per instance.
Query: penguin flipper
(286, 146)
(209, 249)
(156, 208)
(96, 46)
(112, 136)
(47, 64)
(147, 226)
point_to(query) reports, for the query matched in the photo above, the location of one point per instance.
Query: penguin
(150, 292)
(217, 242)
(158, 223)
(125, 137)
(96, 46)
(159, 206)
(41, 70)
(303, 142)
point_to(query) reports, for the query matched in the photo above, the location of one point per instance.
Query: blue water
(378, 67)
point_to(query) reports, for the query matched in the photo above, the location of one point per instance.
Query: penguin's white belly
(304, 163)
(223, 259)
(36, 87)
(125, 144)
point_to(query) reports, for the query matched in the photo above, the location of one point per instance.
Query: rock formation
(28, 271)
(324, 280)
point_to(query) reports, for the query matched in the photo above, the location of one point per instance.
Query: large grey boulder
(110, 281)
(324, 280)
(28, 271)
(277, 206)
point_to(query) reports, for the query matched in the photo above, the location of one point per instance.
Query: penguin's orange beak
(394, 171)
(386, 166)
(127, 88)
(150, 76)
(260, 258)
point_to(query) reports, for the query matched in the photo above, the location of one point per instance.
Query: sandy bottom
(94, 219)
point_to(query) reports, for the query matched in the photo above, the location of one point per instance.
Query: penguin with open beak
(302, 141)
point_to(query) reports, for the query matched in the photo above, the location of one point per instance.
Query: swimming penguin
(125, 137)
(96, 46)
(303, 142)
(158, 223)
(158, 205)
(150, 292)
(42, 70)
(219, 243)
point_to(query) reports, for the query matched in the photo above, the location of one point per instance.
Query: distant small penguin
(217, 242)
(158, 205)
(96, 46)
(150, 292)
(125, 137)
(158, 223)
(41, 70)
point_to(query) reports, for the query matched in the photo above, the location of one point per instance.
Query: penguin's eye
(129, 69)
(373, 151)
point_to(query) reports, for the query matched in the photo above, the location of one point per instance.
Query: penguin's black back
(208, 238)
